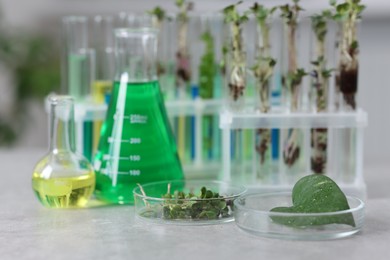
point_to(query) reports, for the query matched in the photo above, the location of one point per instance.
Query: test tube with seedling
(348, 15)
(263, 72)
(207, 73)
(183, 70)
(183, 73)
(236, 73)
(166, 50)
(159, 18)
(292, 80)
(320, 75)
(236, 58)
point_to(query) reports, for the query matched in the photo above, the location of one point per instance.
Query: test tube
(168, 56)
(103, 39)
(78, 74)
(205, 75)
(194, 123)
(103, 36)
(75, 76)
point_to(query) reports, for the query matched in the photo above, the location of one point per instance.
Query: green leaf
(333, 2)
(179, 3)
(209, 194)
(244, 18)
(222, 204)
(299, 74)
(255, 7)
(327, 73)
(231, 14)
(158, 12)
(354, 45)
(203, 192)
(229, 9)
(361, 8)
(327, 13)
(343, 8)
(209, 214)
(272, 62)
(315, 63)
(315, 194)
(291, 13)
(262, 13)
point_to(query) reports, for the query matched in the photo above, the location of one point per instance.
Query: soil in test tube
(137, 144)
(348, 86)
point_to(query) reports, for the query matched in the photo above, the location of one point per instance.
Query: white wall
(27, 12)
(374, 92)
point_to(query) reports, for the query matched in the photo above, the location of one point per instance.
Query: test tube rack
(197, 167)
(344, 128)
(344, 148)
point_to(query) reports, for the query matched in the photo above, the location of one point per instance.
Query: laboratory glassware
(103, 35)
(79, 73)
(136, 143)
(63, 179)
(75, 56)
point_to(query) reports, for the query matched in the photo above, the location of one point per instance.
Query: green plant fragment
(315, 194)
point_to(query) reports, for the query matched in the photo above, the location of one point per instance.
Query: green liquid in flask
(136, 143)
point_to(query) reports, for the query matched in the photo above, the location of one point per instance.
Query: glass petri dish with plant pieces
(316, 209)
(188, 202)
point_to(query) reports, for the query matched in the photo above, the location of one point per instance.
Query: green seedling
(320, 79)
(347, 14)
(293, 78)
(207, 67)
(237, 75)
(159, 16)
(263, 71)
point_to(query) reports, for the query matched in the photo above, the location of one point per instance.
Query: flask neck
(136, 54)
(61, 124)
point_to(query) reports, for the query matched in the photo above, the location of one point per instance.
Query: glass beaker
(63, 179)
(136, 142)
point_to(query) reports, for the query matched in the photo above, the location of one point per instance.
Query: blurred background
(30, 62)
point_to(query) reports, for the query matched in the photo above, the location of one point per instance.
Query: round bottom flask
(63, 179)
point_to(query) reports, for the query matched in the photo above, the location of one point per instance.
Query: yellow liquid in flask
(64, 192)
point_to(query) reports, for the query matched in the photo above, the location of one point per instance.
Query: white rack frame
(249, 119)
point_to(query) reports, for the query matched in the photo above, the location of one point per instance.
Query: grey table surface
(30, 231)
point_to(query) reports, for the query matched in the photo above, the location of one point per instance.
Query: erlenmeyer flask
(63, 179)
(136, 142)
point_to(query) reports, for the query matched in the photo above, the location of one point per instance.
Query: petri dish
(150, 206)
(252, 214)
